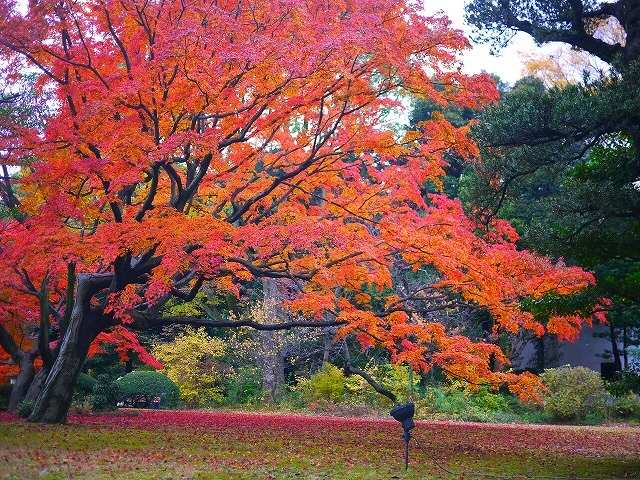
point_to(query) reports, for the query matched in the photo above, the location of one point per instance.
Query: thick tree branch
(43, 337)
(191, 294)
(9, 345)
(153, 188)
(70, 297)
(142, 322)
(576, 37)
(349, 369)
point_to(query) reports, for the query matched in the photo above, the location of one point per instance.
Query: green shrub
(573, 393)
(594, 417)
(455, 403)
(25, 408)
(327, 384)
(83, 390)
(439, 402)
(146, 385)
(331, 385)
(105, 394)
(357, 391)
(243, 386)
(627, 382)
(627, 406)
(82, 405)
(489, 401)
(85, 383)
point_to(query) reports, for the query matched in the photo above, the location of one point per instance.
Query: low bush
(144, 386)
(192, 362)
(627, 382)
(327, 384)
(456, 403)
(330, 392)
(395, 378)
(83, 388)
(572, 393)
(627, 406)
(105, 394)
(25, 408)
(343, 409)
(243, 386)
(330, 384)
(82, 405)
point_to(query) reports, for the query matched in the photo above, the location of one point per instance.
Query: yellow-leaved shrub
(192, 361)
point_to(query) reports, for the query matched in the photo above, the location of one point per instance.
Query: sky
(507, 65)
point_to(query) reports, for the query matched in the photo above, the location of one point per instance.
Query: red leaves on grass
(371, 433)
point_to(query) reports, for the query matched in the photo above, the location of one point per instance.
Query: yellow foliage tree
(192, 361)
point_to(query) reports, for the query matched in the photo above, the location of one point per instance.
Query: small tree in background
(192, 361)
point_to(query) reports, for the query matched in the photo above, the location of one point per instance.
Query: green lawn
(208, 445)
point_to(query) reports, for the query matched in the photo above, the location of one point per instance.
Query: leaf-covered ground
(219, 445)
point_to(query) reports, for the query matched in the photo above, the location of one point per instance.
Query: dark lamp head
(404, 414)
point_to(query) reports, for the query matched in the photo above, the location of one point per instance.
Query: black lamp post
(404, 414)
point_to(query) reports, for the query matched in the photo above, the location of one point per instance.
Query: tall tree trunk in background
(635, 137)
(631, 25)
(272, 363)
(615, 351)
(328, 342)
(540, 356)
(271, 358)
(552, 351)
(624, 346)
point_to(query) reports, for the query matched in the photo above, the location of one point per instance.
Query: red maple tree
(211, 143)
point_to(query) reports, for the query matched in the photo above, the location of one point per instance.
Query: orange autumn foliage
(214, 143)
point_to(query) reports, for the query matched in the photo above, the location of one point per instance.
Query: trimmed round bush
(145, 386)
(573, 393)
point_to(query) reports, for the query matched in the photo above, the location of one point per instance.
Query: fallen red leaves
(465, 436)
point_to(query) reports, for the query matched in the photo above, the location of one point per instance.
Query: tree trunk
(272, 367)
(54, 400)
(23, 380)
(540, 354)
(36, 386)
(615, 351)
(271, 359)
(635, 137)
(328, 342)
(24, 360)
(631, 25)
(624, 346)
